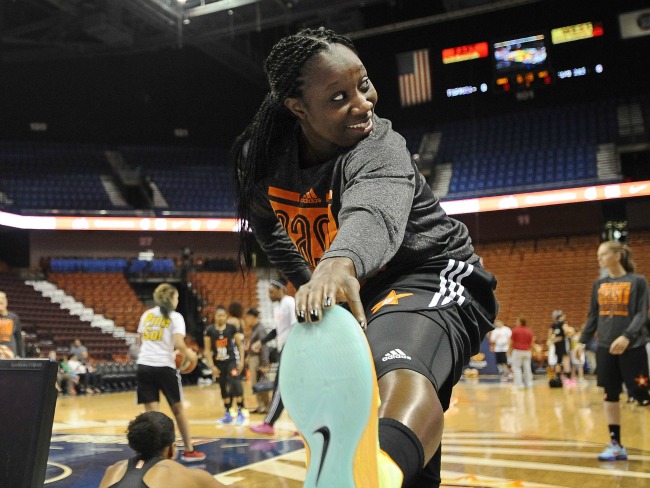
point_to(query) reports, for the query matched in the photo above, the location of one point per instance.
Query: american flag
(414, 75)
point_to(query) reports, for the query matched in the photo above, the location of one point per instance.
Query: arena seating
(108, 294)
(49, 327)
(530, 150)
(191, 179)
(153, 267)
(53, 175)
(222, 287)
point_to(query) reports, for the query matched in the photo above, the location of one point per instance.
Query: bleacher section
(221, 287)
(156, 266)
(108, 294)
(529, 150)
(191, 179)
(51, 327)
(53, 176)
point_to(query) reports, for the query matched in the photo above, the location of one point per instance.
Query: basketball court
(495, 436)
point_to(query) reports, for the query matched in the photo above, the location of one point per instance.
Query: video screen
(520, 54)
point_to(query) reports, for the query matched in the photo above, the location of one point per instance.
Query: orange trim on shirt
(292, 196)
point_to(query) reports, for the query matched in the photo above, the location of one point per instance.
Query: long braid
(254, 151)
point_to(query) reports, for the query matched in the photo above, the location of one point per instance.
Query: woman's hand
(333, 281)
(619, 345)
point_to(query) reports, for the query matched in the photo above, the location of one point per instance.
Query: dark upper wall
(132, 99)
(142, 98)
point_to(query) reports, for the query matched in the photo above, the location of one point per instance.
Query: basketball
(6, 352)
(183, 364)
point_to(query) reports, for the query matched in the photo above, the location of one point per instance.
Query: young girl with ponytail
(619, 313)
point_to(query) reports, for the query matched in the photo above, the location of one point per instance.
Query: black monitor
(27, 400)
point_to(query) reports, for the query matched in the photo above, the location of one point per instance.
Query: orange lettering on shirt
(311, 228)
(6, 329)
(614, 298)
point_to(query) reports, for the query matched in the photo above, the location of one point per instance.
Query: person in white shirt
(285, 317)
(500, 344)
(162, 331)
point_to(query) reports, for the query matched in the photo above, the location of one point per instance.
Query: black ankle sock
(615, 433)
(403, 447)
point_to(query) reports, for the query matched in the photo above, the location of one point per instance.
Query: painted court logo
(395, 354)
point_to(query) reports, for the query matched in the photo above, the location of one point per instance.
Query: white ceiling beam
(218, 6)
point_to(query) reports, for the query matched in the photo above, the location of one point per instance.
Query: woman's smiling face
(337, 103)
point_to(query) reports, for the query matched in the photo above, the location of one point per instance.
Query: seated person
(64, 381)
(151, 435)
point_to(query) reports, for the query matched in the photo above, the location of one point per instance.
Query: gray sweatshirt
(619, 307)
(369, 204)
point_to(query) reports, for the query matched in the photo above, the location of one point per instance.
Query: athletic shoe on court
(240, 419)
(613, 452)
(227, 419)
(192, 456)
(263, 429)
(245, 412)
(329, 387)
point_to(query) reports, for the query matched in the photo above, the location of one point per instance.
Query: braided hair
(254, 151)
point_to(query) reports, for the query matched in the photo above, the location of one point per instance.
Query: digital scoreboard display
(465, 53)
(576, 32)
(521, 63)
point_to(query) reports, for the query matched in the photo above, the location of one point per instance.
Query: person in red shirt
(521, 343)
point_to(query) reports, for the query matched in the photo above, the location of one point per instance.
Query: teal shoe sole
(326, 382)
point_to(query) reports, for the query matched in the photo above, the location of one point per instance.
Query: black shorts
(501, 357)
(560, 350)
(429, 321)
(152, 379)
(630, 368)
(226, 369)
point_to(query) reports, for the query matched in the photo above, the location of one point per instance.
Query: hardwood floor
(495, 436)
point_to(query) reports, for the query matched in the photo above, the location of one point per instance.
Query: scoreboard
(522, 63)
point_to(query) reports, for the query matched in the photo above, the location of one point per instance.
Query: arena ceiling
(237, 33)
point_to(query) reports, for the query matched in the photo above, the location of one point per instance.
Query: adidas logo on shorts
(395, 354)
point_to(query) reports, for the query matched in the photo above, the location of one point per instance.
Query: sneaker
(613, 452)
(240, 418)
(245, 412)
(227, 419)
(263, 429)
(192, 456)
(342, 437)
